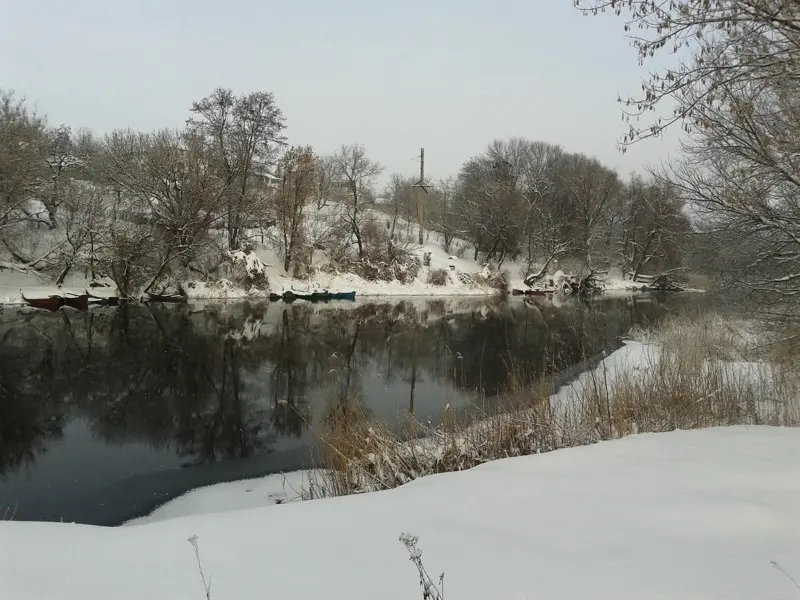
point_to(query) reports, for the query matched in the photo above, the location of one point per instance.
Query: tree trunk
(64, 272)
(287, 248)
(490, 256)
(359, 243)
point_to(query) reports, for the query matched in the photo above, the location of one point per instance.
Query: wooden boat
(51, 303)
(291, 296)
(166, 298)
(535, 292)
(103, 301)
(80, 302)
(343, 296)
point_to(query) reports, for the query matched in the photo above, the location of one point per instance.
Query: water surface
(107, 414)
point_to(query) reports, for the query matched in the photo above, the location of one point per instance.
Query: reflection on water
(104, 415)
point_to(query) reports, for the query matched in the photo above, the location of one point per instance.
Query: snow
(13, 284)
(264, 259)
(236, 495)
(686, 514)
(631, 357)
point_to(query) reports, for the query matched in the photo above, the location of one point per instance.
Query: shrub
(501, 281)
(682, 382)
(437, 277)
(466, 278)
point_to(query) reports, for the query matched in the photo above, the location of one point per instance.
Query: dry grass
(694, 372)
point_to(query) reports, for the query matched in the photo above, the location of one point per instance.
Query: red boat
(52, 303)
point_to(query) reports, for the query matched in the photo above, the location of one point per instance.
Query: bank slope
(695, 514)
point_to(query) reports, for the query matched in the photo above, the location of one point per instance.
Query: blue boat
(325, 296)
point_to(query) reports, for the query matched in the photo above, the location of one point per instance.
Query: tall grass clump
(692, 372)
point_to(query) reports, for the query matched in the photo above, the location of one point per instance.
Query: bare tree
(85, 225)
(358, 172)
(486, 196)
(444, 217)
(61, 159)
(736, 95)
(546, 231)
(652, 226)
(171, 198)
(242, 135)
(298, 169)
(22, 140)
(328, 188)
(727, 43)
(592, 187)
(400, 194)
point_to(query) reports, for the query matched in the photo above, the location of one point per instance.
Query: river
(107, 414)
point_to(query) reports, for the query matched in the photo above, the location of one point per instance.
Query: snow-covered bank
(236, 495)
(687, 514)
(456, 276)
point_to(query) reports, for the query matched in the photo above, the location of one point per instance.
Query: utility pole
(423, 187)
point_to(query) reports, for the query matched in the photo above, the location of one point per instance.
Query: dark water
(106, 415)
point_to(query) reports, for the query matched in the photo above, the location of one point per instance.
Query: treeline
(535, 202)
(734, 93)
(151, 209)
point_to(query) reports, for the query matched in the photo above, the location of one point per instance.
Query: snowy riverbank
(687, 514)
(458, 277)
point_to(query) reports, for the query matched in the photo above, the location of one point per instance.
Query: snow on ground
(642, 357)
(236, 495)
(265, 258)
(13, 284)
(633, 356)
(686, 514)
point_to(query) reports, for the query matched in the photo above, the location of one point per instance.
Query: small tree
(328, 188)
(299, 174)
(358, 173)
(61, 158)
(84, 223)
(22, 166)
(400, 194)
(242, 135)
(444, 217)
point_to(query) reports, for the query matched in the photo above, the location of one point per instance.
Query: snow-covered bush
(501, 281)
(244, 268)
(438, 277)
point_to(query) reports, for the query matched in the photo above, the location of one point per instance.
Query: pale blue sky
(447, 75)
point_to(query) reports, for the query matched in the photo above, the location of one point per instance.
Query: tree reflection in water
(227, 382)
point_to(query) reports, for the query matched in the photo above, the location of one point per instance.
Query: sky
(449, 76)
